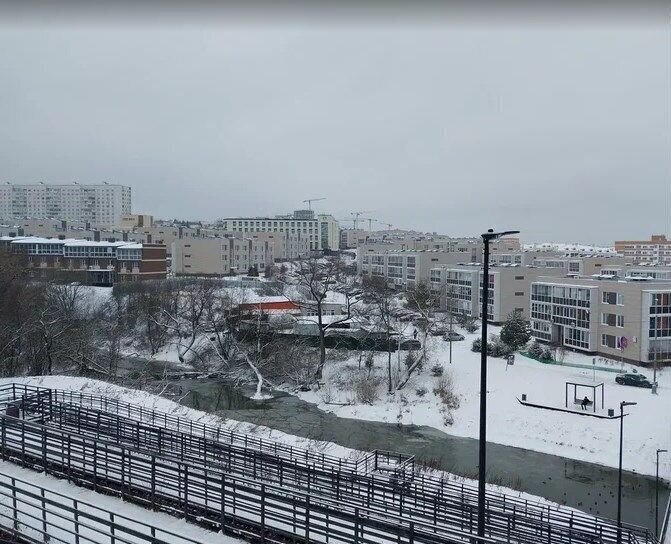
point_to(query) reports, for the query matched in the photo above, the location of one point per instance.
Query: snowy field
(510, 423)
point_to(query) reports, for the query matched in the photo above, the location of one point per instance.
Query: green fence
(572, 365)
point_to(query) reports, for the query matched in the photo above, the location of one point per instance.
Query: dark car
(633, 379)
(453, 337)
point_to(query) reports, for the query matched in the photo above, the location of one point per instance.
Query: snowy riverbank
(510, 423)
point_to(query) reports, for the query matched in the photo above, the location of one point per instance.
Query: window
(519, 277)
(519, 293)
(612, 320)
(610, 341)
(610, 297)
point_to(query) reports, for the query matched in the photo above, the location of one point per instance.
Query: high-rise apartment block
(101, 205)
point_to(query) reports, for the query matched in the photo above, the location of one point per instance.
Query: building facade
(460, 289)
(657, 250)
(626, 319)
(221, 256)
(88, 262)
(321, 232)
(404, 269)
(101, 205)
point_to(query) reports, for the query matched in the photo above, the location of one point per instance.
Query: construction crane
(311, 200)
(357, 215)
(370, 223)
(388, 225)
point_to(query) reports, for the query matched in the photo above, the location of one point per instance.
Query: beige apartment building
(460, 289)
(404, 269)
(221, 256)
(351, 238)
(617, 318)
(657, 250)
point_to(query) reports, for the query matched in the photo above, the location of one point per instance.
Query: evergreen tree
(515, 331)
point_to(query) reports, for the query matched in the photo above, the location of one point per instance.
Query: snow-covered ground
(149, 400)
(585, 438)
(154, 402)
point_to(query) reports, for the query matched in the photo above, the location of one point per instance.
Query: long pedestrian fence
(412, 502)
(33, 514)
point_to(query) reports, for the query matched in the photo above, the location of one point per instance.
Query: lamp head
(623, 404)
(662, 451)
(491, 235)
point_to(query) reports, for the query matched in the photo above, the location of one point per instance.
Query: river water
(586, 486)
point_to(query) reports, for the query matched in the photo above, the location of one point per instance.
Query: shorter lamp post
(657, 493)
(619, 473)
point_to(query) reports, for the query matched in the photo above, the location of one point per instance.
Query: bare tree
(317, 277)
(381, 298)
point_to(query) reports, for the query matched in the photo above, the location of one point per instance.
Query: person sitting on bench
(585, 403)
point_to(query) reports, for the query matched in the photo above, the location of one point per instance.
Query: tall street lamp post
(619, 473)
(657, 493)
(482, 460)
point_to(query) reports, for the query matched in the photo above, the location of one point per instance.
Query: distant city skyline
(561, 130)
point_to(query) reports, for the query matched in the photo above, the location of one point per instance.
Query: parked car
(410, 317)
(438, 329)
(453, 336)
(636, 380)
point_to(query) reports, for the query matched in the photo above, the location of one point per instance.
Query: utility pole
(657, 493)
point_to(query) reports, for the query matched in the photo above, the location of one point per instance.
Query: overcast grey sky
(561, 131)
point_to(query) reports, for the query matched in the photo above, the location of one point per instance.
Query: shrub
(547, 355)
(476, 346)
(421, 391)
(445, 390)
(409, 360)
(366, 388)
(437, 370)
(497, 348)
(536, 350)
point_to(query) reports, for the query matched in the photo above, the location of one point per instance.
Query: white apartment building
(101, 205)
(220, 256)
(595, 315)
(321, 232)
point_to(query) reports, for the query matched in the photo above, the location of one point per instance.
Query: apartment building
(460, 289)
(585, 265)
(88, 262)
(404, 269)
(351, 238)
(221, 256)
(101, 205)
(657, 250)
(617, 318)
(132, 221)
(52, 228)
(321, 232)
